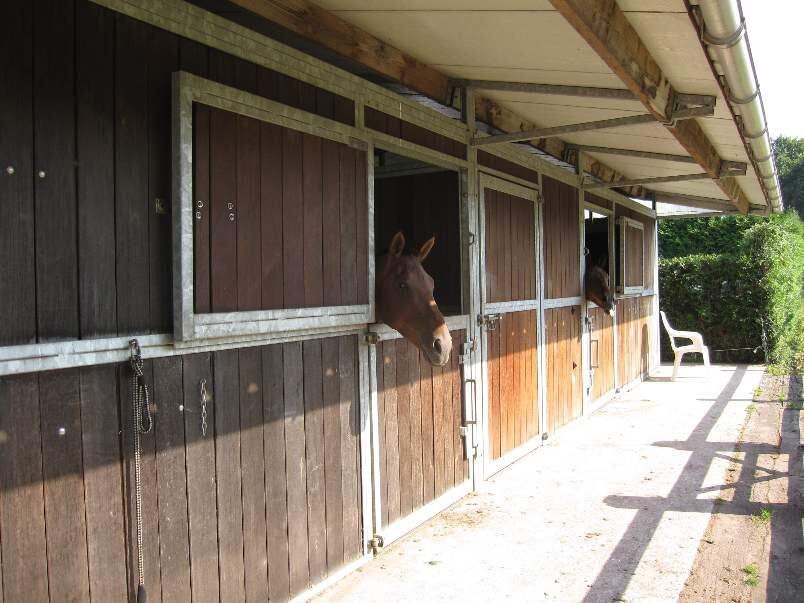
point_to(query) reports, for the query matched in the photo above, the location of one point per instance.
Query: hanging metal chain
(204, 400)
(143, 423)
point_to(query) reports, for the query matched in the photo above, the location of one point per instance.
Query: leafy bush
(744, 302)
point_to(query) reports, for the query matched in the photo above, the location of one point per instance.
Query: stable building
(195, 397)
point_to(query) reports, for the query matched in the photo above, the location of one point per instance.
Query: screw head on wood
(231, 217)
(230, 205)
(41, 173)
(199, 204)
(197, 215)
(10, 170)
(62, 431)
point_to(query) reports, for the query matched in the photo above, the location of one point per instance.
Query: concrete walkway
(612, 508)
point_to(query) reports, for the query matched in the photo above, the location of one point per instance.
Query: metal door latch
(376, 543)
(467, 349)
(488, 321)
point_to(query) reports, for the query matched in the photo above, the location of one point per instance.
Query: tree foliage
(789, 155)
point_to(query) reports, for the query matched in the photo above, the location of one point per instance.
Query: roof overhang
(632, 85)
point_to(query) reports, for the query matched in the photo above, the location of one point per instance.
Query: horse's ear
(397, 245)
(426, 248)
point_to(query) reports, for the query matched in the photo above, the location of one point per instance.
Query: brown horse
(597, 288)
(404, 296)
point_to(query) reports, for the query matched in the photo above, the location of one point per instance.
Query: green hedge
(744, 302)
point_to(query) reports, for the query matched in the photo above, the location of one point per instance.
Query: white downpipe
(727, 42)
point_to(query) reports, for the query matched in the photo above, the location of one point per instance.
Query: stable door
(510, 317)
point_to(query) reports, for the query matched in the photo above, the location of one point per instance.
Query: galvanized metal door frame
(191, 328)
(485, 180)
(590, 405)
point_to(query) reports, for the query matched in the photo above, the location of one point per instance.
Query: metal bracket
(376, 543)
(488, 321)
(467, 348)
(372, 338)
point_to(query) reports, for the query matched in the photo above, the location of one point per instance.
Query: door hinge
(376, 543)
(488, 322)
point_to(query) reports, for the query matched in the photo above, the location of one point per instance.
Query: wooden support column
(606, 29)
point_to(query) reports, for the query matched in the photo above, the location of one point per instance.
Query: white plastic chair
(697, 344)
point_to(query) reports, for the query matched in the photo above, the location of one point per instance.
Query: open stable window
(271, 232)
(596, 239)
(421, 200)
(630, 237)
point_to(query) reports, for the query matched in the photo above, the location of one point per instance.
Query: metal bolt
(198, 215)
(62, 431)
(199, 204)
(230, 205)
(181, 407)
(159, 206)
(231, 217)
(41, 173)
(10, 170)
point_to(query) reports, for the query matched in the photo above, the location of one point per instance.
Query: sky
(776, 33)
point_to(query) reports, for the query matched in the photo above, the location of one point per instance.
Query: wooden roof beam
(606, 29)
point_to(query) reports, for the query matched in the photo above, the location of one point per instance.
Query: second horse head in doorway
(404, 296)
(598, 289)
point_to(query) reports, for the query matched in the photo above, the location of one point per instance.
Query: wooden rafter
(606, 29)
(330, 31)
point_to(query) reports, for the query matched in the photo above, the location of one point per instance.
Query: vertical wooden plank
(255, 555)
(174, 539)
(150, 527)
(344, 109)
(201, 196)
(106, 549)
(403, 349)
(449, 463)
(17, 258)
(292, 218)
(391, 501)
(381, 428)
(313, 225)
(439, 392)
(332, 452)
(227, 470)
(62, 473)
(325, 103)
(22, 514)
(249, 216)
(307, 97)
(506, 247)
(163, 60)
(201, 495)
(350, 447)
(314, 437)
(493, 369)
(296, 467)
(361, 225)
(275, 471)
(415, 381)
(95, 152)
(516, 385)
(54, 164)
(131, 176)
(505, 384)
(193, 57)
(426, 393)
(457, 410)
(223, 193)
(331, 221)
(272, 281)
(348, 229)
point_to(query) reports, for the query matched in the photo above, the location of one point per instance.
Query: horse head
(598, 290)
(404, 297)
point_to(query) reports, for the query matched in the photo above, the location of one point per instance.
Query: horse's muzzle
(438, 346)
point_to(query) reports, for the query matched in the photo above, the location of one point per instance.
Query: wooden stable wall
(564, 372)
(85, 248)
(285, 224)
(268, 503)
(601, 352)
(561, 239)
(634, 340)
(420, 415)
(422, 206)
(512, 383)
